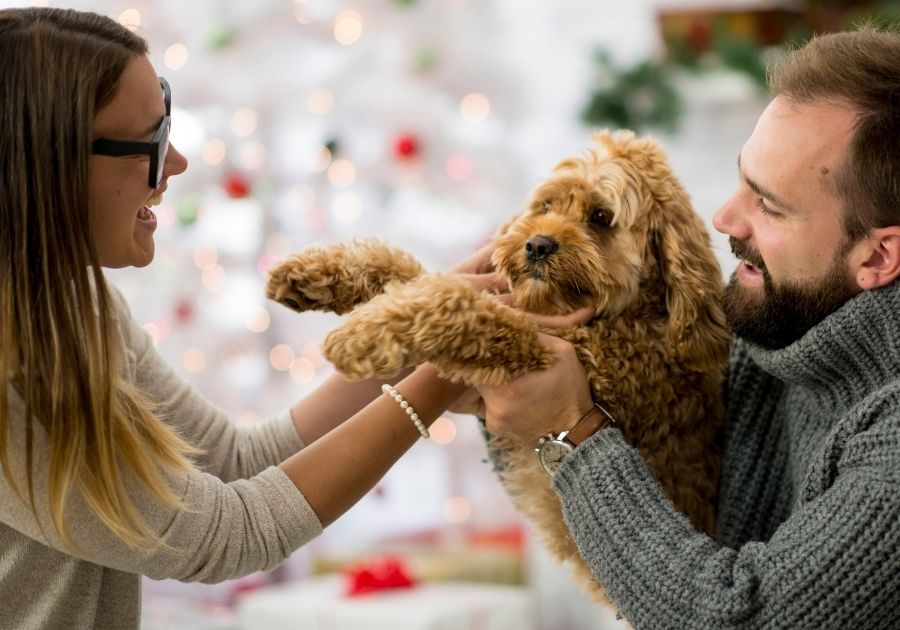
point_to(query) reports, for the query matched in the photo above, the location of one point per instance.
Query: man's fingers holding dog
(579, 317)
(491, 282)
(470, 402)
(551, 399)
(477, 263)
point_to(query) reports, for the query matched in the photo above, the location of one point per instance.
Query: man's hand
(576, 318)
(479, 271)
(479, 262)
(469, 403)
(552, 399)
(522, 409)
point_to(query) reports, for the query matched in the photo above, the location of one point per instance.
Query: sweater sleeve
(227, 451)
(226, 530)
(834, 563)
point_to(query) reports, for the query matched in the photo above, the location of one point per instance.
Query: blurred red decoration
(184, 311)
(236, 186)
(406, 145)
(699, 36)
(376, 575)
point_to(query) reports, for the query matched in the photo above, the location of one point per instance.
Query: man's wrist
(593, 423)
(596, 419)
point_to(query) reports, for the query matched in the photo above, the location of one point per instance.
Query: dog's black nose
(540, 248)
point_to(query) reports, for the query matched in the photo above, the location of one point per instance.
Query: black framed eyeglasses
(156, 148)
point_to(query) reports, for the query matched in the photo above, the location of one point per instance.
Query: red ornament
(236, 186)
(406, 145)
(184, 311)
(699, 36)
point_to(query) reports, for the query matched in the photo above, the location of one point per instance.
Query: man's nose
(730, 219)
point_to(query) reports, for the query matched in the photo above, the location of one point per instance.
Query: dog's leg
(468, 335)
(339, 277)
(531, 491)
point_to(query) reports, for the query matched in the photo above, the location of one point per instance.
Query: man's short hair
(860, 68)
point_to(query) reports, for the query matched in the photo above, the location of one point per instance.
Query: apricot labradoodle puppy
(613, 228)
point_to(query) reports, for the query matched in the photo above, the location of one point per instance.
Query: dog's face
(589, 231)
(614, 228)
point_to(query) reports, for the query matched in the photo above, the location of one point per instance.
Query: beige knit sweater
(244, 513)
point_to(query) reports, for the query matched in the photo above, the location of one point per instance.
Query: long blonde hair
(59, 340)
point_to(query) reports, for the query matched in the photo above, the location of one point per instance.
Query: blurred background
(425, 123)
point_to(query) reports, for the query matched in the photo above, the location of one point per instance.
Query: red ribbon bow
(377, 575)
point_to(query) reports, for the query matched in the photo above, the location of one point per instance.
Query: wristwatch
(552, 449)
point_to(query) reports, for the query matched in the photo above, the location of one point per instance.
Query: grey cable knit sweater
(244, 515)
(809, 524)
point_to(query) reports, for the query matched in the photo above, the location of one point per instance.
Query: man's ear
(881, 258)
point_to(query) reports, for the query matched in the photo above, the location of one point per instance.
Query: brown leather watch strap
(594, 420)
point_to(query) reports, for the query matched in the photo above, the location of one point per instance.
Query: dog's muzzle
(540, 248)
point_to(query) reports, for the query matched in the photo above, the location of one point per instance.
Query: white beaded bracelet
(393, 393)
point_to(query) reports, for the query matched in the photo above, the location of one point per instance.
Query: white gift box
(321, 604)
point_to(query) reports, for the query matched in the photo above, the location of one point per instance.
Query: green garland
(634, 98)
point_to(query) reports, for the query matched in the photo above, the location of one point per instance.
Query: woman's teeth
(145, 214)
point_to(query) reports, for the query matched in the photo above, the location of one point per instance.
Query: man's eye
(766, 209)
(601, 217)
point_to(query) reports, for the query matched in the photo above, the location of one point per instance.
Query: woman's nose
(176, 163)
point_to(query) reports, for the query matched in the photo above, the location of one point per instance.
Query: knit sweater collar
(850, 353)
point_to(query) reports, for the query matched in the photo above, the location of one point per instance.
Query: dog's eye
(545, 207)
(601, 217)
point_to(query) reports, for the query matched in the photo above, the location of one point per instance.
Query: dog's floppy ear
(696, 323)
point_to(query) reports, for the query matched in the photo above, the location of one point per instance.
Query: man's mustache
(743, 251)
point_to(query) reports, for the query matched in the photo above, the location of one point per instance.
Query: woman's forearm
(333, 402)
(335, 471)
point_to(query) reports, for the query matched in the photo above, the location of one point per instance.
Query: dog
(613, 228)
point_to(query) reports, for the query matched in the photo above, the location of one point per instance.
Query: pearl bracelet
(393, 393)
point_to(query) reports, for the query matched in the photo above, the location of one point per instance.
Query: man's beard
(785, 312)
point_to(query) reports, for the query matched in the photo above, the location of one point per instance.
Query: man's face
(784, 223)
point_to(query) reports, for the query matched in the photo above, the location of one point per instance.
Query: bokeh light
(475, 107)
(176, 56)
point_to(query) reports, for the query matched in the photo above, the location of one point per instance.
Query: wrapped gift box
(321, 603)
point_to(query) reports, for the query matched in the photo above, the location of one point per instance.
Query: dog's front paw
(302, 283)
(339, 277)
(468, 335)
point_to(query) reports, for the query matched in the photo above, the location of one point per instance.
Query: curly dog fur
(612, 228)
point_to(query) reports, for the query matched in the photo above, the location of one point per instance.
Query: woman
(112, 466)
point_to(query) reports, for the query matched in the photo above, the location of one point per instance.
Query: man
(809, 515)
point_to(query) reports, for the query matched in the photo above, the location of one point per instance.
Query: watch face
(551, 454)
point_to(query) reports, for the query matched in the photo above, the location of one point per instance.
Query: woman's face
(120, 196)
